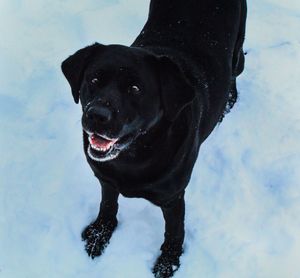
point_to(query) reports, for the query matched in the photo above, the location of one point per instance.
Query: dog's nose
(99, 113)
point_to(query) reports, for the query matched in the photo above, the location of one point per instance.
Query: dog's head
(124, 92)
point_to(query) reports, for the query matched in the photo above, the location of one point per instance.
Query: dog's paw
(167, 263)
(97, 236)
(165, 266)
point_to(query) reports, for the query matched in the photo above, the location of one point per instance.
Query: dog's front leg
(98, 233)
(168, 262)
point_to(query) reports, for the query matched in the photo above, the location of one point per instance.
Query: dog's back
(206, 37)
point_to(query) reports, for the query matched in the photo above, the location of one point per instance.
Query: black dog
(148, 107)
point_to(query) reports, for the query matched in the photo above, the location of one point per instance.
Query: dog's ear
(176, 90)
(74, 66)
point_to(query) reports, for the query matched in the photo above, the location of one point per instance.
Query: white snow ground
(243, 202)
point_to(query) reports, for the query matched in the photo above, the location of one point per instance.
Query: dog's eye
(134, 89)
(95, 80)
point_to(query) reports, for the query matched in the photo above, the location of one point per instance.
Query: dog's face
(123, 95)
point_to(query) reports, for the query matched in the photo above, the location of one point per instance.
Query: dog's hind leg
(99, 232)
(168, 262)
(238, 59)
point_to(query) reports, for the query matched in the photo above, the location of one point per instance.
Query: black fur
(185, 63)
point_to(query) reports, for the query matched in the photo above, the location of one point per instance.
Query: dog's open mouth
(101, 144)
(102, 148)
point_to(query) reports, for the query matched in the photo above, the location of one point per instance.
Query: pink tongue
(100, 142)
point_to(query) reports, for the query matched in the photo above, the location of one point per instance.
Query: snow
(243, 202)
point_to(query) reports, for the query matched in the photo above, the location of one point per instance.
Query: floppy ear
(74, 66)
(176, 91)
